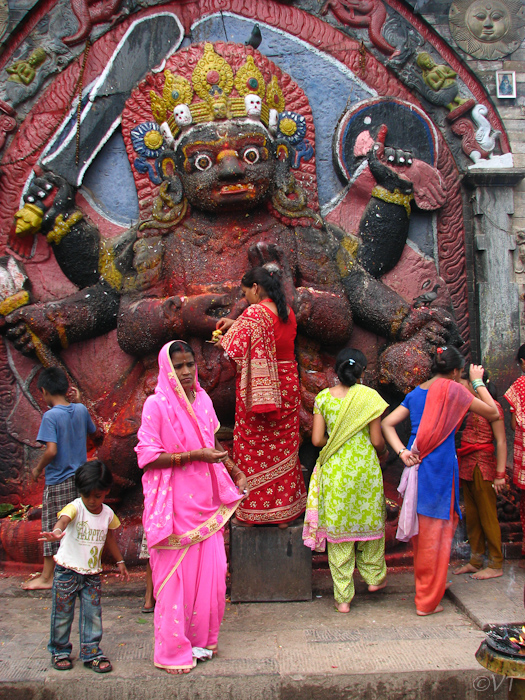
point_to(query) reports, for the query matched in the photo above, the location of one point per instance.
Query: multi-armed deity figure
(222, 149)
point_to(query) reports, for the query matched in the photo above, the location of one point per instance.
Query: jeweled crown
(212, 81)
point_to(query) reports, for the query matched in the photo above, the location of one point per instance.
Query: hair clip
(440, 350)
(351, 362)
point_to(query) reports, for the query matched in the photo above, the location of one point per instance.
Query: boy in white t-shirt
(83, 527)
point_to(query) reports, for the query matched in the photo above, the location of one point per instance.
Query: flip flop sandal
(66, 662)
(94, 664)
(147, 611)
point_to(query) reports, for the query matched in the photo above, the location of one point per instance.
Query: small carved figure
(7, 121)
(25, 71)
(486, 136)
(4, 17)
(363, 13)
(519, 267)
(89, 13)
(487, 29)
(441, 80)
(478, 144)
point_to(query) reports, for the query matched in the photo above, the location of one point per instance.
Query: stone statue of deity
(222, 149)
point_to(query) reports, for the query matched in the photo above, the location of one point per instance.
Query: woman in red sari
(266, 433)
(435, 409)
(515, 395)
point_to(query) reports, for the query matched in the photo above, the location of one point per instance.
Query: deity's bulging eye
(203, 162)
(251, 155)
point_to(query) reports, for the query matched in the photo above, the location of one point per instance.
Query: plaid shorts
(56, 497)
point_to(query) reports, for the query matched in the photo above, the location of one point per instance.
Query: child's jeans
(67, 584)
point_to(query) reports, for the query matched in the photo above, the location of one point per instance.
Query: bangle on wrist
(57, 528)
(121, 562)
(383, 451)
(403, 449)
(476, 383)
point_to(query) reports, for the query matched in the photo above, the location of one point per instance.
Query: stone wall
(92, 216)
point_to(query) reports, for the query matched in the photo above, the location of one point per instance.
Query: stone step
(278, 651)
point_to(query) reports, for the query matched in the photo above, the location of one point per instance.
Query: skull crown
(208, 97)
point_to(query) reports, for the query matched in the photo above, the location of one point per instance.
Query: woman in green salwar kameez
(346, 501)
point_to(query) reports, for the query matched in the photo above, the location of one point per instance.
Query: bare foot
(465, 569)
(38, 584)
(437, 609)
(487, 573)
(282, 526)
(236, 521)
(373, 589)
(342, 607)
(177, 671)
(447, 585)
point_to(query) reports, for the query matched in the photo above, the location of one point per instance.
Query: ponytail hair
(446, 360)
(349, 366)
(269, 278)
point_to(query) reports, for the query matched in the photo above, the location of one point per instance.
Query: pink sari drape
(185, 509)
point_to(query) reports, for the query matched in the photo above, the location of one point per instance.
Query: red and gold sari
(266, 434)
(515, 395)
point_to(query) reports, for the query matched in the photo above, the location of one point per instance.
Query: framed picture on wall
(506, 83)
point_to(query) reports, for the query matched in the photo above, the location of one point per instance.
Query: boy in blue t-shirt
(64, 430)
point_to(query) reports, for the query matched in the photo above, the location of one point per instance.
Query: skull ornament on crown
(182, 116)
(253, 105)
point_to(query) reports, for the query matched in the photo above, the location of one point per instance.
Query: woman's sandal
(61, 663)
(95, 664)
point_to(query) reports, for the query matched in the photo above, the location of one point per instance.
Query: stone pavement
(276, 651)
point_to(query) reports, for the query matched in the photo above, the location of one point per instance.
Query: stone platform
(276, 651)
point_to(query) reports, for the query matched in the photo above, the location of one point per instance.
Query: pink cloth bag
(408, 525)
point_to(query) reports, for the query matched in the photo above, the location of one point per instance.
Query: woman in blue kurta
(436, 408)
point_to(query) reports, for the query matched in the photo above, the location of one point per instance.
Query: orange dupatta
(446, 405)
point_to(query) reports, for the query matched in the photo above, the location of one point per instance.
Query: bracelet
(403, 449)
(57, 528)
(477, 383)
(120, 562)
(175, 459)
(230, 465)
(383, 451)
(501, 476)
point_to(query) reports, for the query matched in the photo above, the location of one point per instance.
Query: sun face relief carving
(487, 29)
(488, 21)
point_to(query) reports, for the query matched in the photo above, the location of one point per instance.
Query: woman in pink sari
(189, 495)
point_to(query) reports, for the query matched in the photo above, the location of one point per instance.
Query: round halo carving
(487, 29)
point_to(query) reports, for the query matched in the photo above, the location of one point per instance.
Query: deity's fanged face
(226, 165)
(488, 21)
